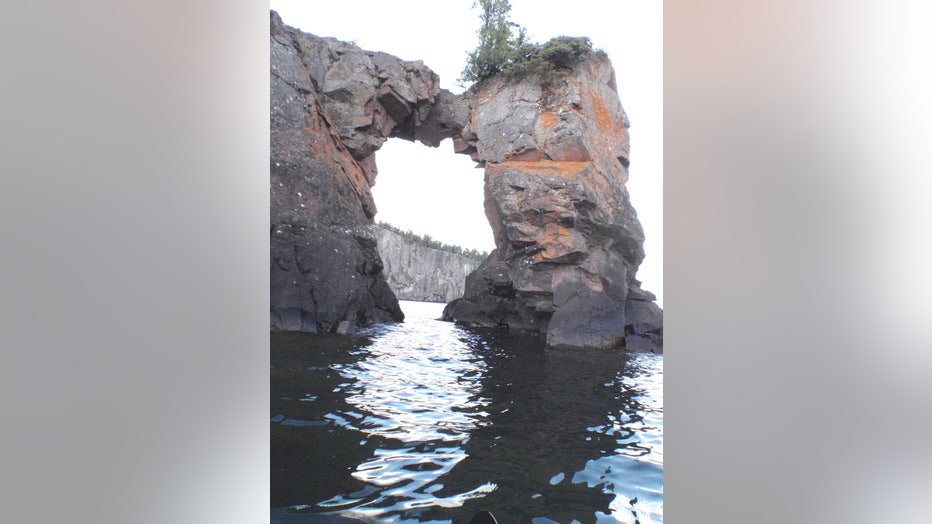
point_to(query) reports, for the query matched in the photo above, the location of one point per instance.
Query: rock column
(568, 242)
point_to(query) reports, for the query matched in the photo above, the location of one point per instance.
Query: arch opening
(437, 196)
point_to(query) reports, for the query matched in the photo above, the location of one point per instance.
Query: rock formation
(568, 243)
(421, 273)
(555, 150)
(332, 106)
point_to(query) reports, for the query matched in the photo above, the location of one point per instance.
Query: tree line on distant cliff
(427, 241)
(504, 47)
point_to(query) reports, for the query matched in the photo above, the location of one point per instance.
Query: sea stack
(568, 242)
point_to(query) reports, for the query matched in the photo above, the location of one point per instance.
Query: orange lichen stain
(603, 117)
(548, 120)
(526, 155)
(551, 165)
(546, 167)
(557, 241)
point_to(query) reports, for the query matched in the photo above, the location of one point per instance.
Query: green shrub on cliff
(504, 48)
(427, 241)
(557, 55)
(563, 52)
(500, 41)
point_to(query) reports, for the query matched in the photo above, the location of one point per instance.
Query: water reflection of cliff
(308, 454)
(565, 431)
(430, 422)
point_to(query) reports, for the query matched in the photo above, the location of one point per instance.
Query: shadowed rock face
(332, 106)
(555, 152)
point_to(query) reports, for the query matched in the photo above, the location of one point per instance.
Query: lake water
(426, 421)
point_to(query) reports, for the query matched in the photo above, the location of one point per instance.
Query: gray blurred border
(797, 279)
(134, 378)
(134, 270)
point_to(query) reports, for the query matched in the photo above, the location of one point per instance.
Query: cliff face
(555, 152)
(421, 273)
(332, 106)
(568, 242)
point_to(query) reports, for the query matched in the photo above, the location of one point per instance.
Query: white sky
(439, 193)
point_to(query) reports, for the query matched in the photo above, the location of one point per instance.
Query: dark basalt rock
(332, 106)
(327, 279)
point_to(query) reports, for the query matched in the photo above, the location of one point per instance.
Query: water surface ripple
(426, 421)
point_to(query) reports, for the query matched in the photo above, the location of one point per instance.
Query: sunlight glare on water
(427, 421)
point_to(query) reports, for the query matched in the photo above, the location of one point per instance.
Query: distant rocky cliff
(421, 273)
(554, 146)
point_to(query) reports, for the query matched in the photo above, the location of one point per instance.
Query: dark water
(426, 421)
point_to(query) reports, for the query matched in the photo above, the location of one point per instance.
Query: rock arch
(555, 152)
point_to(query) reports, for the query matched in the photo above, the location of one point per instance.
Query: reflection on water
(427, 421)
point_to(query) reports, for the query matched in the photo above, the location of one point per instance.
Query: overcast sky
(439, 193)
